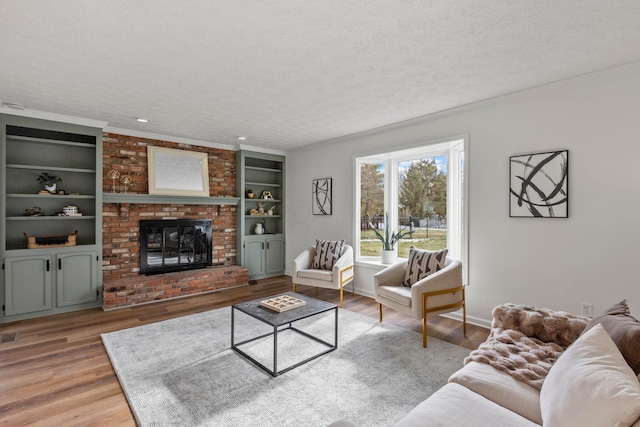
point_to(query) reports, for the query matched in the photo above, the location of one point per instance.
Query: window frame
(456, 149)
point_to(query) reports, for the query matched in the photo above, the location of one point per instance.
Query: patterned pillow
(423, 263)
(327, 253)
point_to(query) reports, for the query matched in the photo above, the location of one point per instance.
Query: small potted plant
(50, 181)
(389, 240)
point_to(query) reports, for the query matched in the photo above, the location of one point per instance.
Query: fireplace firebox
(174, 245)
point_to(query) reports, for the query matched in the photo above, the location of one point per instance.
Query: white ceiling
(287, 73)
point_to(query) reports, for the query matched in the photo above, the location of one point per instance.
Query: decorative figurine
(113, 175)
(126, 180)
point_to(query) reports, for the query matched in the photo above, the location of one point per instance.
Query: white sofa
(585, 381)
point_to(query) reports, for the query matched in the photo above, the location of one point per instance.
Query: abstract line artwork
(539, 186)
(321, 193)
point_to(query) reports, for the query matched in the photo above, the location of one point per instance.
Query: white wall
(553, 263)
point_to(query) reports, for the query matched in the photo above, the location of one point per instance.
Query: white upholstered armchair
(340, 274)
(440, 292)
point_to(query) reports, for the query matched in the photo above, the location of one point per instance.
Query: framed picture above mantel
(539, 185)
(177, 172)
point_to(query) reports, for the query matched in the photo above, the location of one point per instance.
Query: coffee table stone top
(313, 306)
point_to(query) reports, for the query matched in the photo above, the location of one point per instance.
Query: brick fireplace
(122, 283)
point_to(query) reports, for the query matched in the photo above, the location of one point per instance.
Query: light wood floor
(57, 372)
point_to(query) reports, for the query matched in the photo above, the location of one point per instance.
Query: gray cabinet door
(275, 254)
(254, 257)
(76, 278)
(27, 284)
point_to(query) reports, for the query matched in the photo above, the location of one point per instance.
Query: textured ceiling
(288, 73)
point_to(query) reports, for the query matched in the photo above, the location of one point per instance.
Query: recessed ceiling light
(242, 138)
(142, 120)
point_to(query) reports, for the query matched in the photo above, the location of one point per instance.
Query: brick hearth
(143, 289)
(122, 283)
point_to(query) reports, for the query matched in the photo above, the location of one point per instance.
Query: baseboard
(484, 323)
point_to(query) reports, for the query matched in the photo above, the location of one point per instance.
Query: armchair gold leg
(340, 296)
(424, 331)
(380, 311)
(464, 318)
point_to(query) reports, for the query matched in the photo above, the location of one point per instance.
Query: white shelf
(49, 218)
(52, 196)
(49, 168)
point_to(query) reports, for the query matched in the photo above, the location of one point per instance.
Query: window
(420, 189)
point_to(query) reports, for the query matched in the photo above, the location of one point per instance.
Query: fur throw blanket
(525, 341)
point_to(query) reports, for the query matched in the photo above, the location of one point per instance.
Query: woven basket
(35, 242)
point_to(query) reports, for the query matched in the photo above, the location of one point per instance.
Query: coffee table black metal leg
(335, 339)
(232, 326)
(275, 351)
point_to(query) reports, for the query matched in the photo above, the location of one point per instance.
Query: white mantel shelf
(167, 200)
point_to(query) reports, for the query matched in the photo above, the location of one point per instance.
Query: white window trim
(457, 225)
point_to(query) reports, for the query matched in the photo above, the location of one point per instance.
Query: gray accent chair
(440, 292)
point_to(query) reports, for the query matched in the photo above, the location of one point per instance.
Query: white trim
(178, 139)
(262, 149)
(81, 121)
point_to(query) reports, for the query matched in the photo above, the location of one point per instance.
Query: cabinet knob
(59, 263)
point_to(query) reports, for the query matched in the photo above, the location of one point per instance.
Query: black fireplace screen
(174, 245)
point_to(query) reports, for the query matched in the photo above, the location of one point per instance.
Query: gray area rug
(182, 372)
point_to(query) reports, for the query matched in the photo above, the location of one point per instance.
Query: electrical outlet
(586, 309)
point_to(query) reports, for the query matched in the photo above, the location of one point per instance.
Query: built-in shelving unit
(261, 254)
(49, 279)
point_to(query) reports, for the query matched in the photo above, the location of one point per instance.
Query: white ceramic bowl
(70, 210)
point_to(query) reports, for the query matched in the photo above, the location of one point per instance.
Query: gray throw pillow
(624, 330)
(327, 253)
(423, 263)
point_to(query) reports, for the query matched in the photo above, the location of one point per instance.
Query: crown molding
(178, 139)
(81, 121)
(262, 149)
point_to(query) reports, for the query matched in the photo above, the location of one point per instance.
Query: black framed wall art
(321, 196)
(539, 185)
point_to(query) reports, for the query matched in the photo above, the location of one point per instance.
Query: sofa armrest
(449, 277)
(345, 264)
(390, 276)
(303, 261)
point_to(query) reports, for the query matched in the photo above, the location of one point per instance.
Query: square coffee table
(281, 322)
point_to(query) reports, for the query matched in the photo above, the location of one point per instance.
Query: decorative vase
(51, 188)
(250, 194)
(259, 229)
(388, 257)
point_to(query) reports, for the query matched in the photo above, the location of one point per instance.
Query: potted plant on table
(389, 240)
(50, 181)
